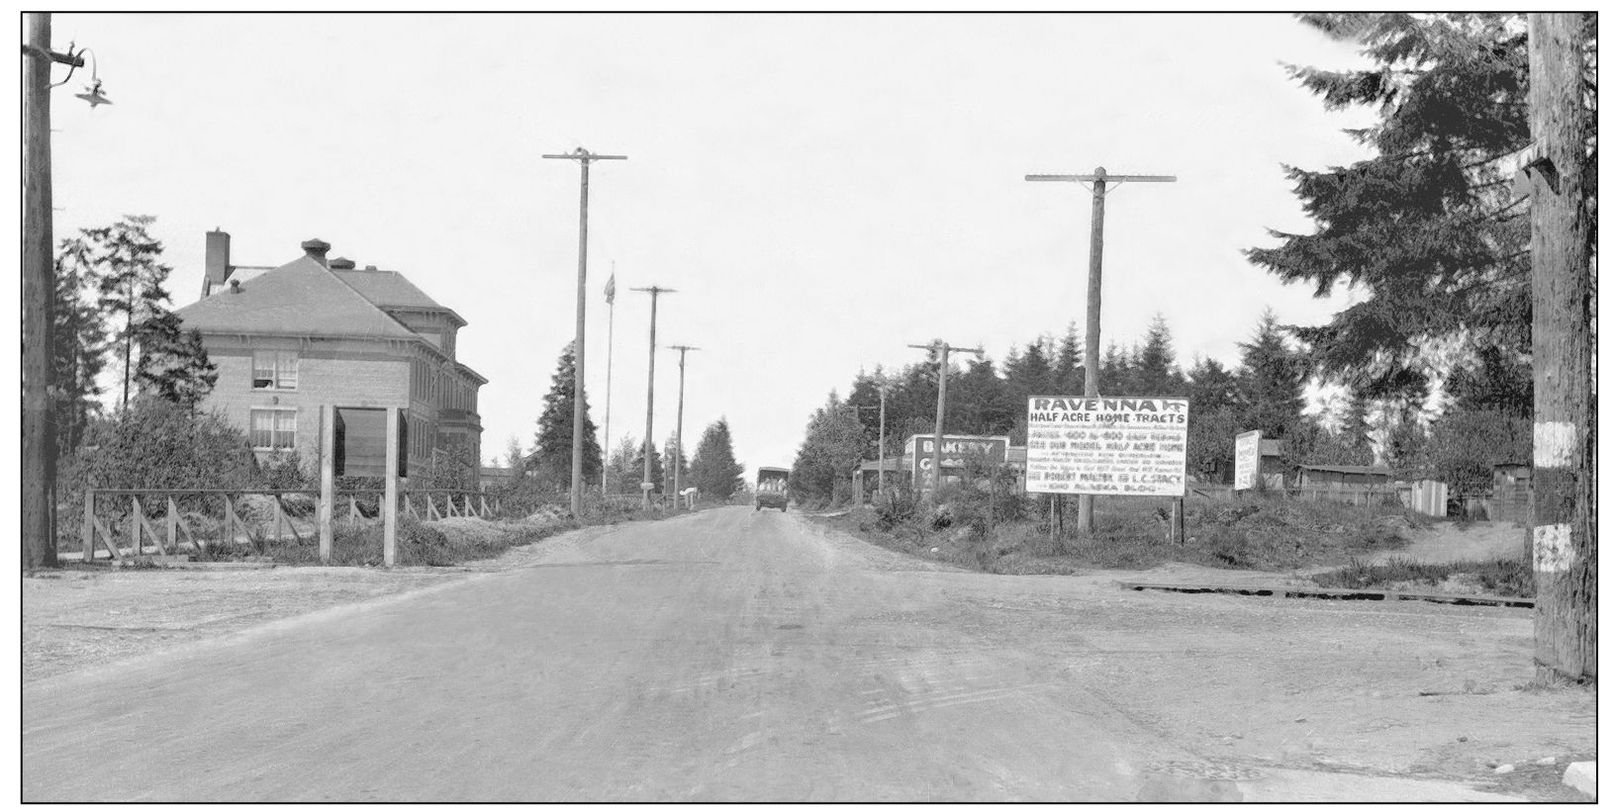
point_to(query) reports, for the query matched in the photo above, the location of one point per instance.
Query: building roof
(301, 297)
(1347, 469)
(389, 289)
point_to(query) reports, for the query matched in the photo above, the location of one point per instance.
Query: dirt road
(736, 655)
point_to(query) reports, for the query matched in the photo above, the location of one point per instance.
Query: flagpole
(611, 317)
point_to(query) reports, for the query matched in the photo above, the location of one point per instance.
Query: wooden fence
(1356, 496)
(133, 516)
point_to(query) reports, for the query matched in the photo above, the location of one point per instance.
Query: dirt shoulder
(83, 616)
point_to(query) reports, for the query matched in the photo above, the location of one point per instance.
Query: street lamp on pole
(584, 157)
(38, 291)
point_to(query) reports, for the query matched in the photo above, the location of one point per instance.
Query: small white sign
(1247, 459)
(1107, 445)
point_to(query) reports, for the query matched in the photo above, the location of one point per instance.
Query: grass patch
(448, 542)
(1501, 577)
(1132, 534)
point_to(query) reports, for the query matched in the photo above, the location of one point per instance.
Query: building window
(277, 370)
(274, 429)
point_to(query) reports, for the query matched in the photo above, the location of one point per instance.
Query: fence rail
(1357, 496)
(128, 528)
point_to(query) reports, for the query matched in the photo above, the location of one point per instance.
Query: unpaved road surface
(736, 655)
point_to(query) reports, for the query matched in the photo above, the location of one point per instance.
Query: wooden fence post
(88, 535)
(134, 523)
(389, 506)
(327, 480)
(173, 525)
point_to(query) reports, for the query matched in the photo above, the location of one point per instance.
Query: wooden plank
(431, 509)
(107, 539)
(280, 509)
(409, 507)
(156, 538)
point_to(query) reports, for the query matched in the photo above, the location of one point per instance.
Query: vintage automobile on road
(773, 488)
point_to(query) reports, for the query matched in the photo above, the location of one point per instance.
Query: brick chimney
(341, 263)
(316, 250)
(216, 265)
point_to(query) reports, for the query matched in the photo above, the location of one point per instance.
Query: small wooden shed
(1511, 493)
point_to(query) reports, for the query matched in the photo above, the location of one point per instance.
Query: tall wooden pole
(611, 322)
(1096, 252)
(880, 480)
(38, 304)
(327, 479)
(584, 157)
(678, 430)
(647, 484)
(1090, 353)
(943, 349)
(1563, 534)
(389, 503)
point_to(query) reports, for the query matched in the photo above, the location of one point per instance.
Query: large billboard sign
(1247, 459)
(1107, 445)
(956, 451)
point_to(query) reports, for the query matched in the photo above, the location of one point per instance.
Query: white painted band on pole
(1553, 444)
(1551, 549)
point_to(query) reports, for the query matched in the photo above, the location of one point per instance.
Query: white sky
(822, 190)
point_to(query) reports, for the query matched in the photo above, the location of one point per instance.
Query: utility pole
(943, 349)
(1101, 180)
(38, 302)
(678, 431)
(880, 480)
(646, 485)
(1563, 533)
(611, 322)
(584, 157)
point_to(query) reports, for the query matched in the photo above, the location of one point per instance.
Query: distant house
(313, 332)
(1342, 476)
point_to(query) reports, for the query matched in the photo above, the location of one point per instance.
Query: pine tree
(79, 350)
(129, 284)
(173, 365)
(1115, 372)
(1428, 228)
(552, 442)
(714, 469)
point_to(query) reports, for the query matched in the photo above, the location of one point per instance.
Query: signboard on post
(1107, 445)
(360, 442)
(956, 450)
(1247, 459)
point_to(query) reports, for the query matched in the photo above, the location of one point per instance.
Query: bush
(283, 471)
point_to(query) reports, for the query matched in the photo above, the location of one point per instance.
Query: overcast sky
(822, 190)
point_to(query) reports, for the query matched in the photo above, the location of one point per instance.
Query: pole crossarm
(584, 155)
(1109, 178)
(654, 290)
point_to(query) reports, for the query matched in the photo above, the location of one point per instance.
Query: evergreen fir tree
(552, 442)
(173, 365)
(1270, 382)
(1069, 373)
(1155, 373)
(714, 469)
(830, 451)
(1428, 227)
(670, 450)
(657, 473)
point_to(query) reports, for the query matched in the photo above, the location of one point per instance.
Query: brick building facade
(315, 332)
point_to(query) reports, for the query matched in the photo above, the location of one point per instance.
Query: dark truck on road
(772, 487)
